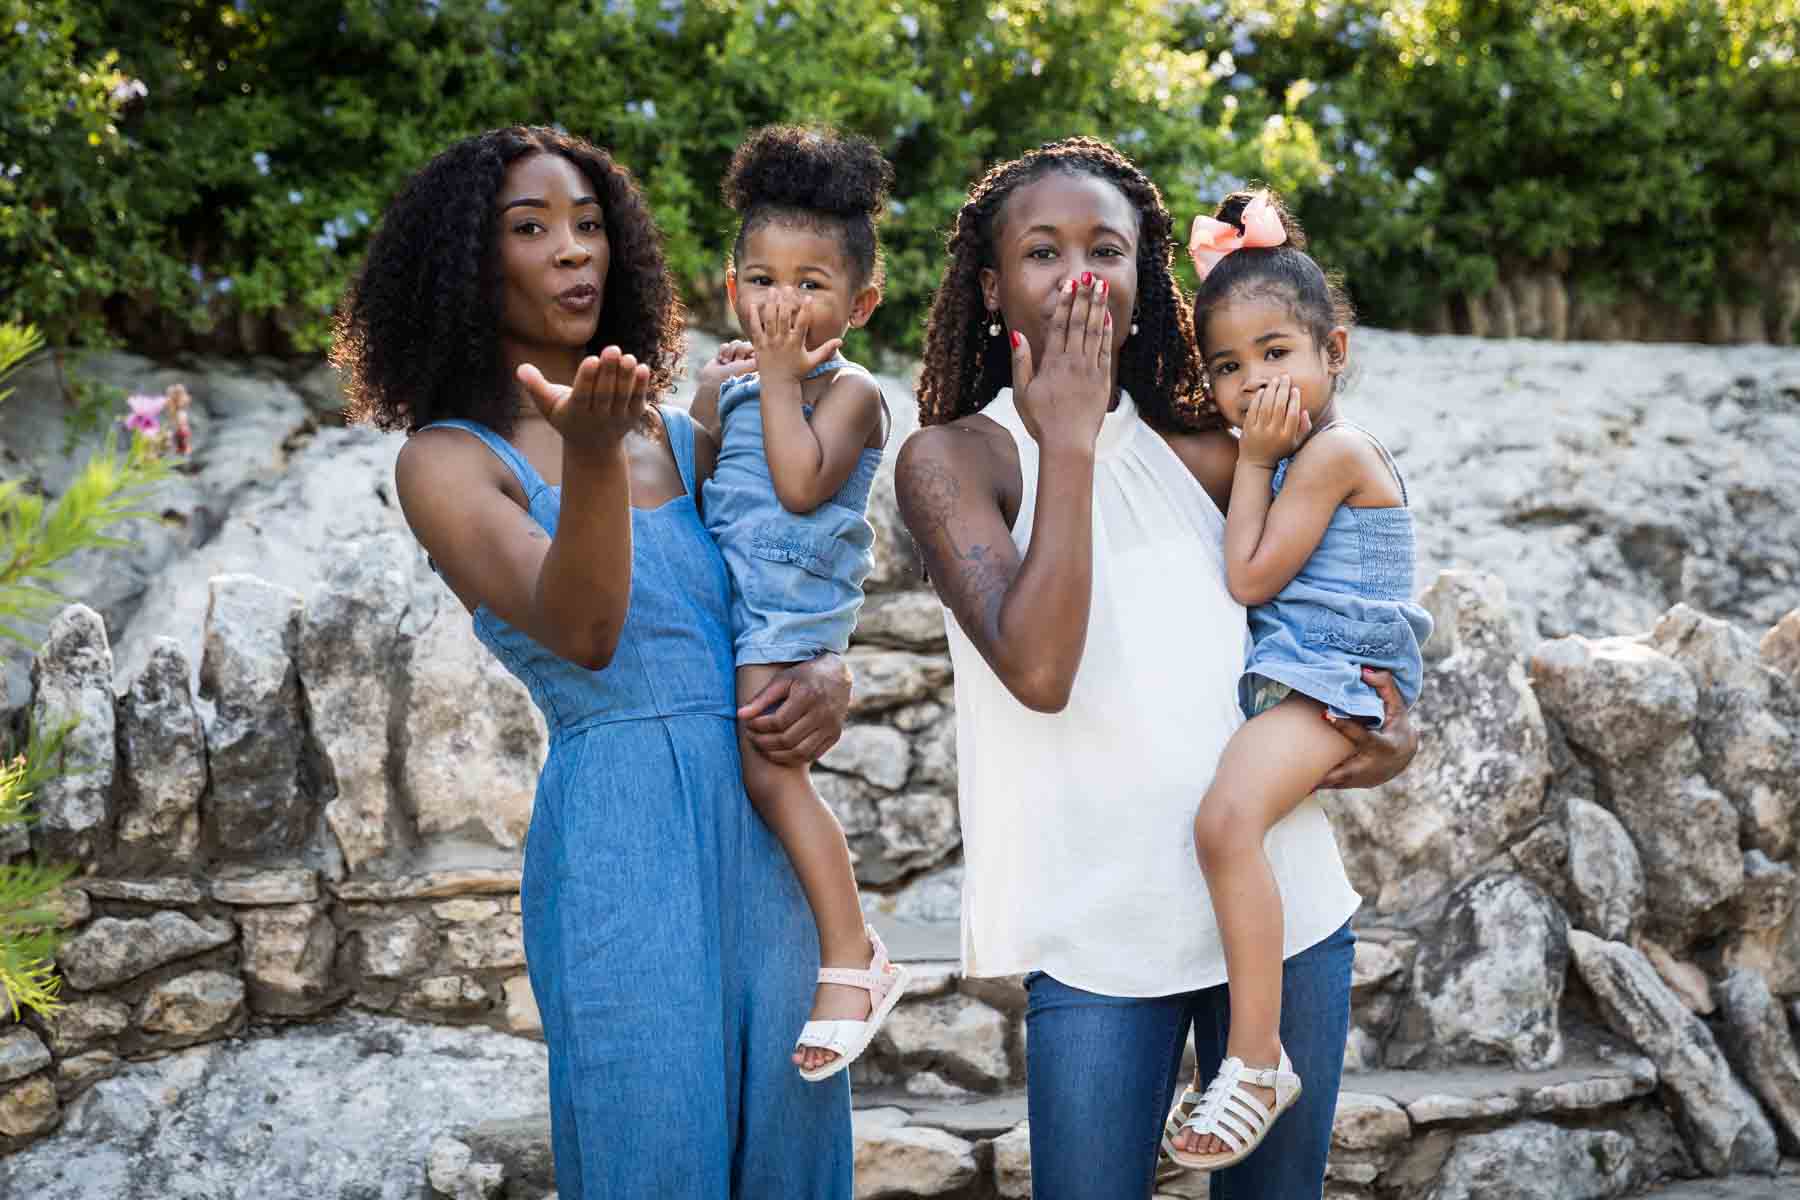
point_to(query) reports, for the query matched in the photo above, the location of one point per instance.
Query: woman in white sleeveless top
(1066, 498)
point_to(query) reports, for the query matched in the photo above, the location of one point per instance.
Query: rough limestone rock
(1760, 1046)
(350, 653)
(1631, 710)
(470, 770)
(282, 885)
(72, 686)
(288, 954)
(1488, 986)
(932, 898)
(198, 1006)
(1763, 926)
(876, 753)
(520, 1146)
(896, 566)
(1366, 1130)
(1480, 774)
(897, 1159)
(1535, 1160)
(1012, 1162)
(111, 950)
(1604, 872)
(884, 679)
(1780, 647)
(81, 1023)
(914, 830)
(27, 1108)
(911, 620)
(497, 944)
(521, 1008)
(257, 735)
(21, 1054)
(323, 489)
(453, 1172)
(75, 1074)
(249, 1118)
(1748, 725)
(957, 1036)
(162, 755)
(1722, 1132)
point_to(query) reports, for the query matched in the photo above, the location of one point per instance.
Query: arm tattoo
(928, 496)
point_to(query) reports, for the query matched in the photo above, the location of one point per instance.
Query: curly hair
(417, 335)
(1285, 273)
(1159, 365)
(818, 177)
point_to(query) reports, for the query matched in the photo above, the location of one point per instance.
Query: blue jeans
(1102, 1072)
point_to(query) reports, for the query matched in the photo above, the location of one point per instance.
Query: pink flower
(144, 411)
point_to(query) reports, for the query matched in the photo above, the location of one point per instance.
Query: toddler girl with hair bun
(801, 431)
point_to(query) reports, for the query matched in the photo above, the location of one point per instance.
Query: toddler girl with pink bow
(1319, 548)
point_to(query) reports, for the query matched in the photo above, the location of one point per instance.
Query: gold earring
(993, 323)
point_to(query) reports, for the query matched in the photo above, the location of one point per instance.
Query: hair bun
(819, 169)
(1231, 211)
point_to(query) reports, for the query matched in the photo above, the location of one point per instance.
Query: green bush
(1647, 145)
(230, 200)
(208, 173)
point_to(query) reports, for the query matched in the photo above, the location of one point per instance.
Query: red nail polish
(1087, 279)
(1015, 339)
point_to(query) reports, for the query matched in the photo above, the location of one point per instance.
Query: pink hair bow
(1212, 240)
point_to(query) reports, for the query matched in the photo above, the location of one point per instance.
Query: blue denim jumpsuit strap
(670, 949)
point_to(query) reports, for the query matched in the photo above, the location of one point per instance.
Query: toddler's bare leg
(1270, 765)
(815, 844)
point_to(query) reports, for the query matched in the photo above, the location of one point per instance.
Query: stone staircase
(940, 1112)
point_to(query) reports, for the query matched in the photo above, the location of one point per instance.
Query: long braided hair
(1159, 365)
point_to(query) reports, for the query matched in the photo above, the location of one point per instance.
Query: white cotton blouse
(1078, 837)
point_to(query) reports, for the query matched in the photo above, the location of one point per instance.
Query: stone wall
(1579, 951)
(1585, 887)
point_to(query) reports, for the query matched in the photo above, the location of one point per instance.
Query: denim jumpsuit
(670, 948)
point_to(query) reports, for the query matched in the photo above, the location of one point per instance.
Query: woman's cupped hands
(1063, 398)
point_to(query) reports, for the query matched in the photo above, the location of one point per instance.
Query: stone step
(919, 941)
(1784, 1185)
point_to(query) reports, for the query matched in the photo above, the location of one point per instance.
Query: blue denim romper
(1349, 607)
(671, 951)
(796, 578)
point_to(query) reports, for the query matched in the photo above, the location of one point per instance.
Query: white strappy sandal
(1178, 1113)
(885, 981)
(1233, 1115)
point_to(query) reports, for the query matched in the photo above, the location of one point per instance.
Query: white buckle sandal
(885, 982)
(1233, 1115)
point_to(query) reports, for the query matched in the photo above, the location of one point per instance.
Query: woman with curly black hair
(1066, 494)
(515, 315)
